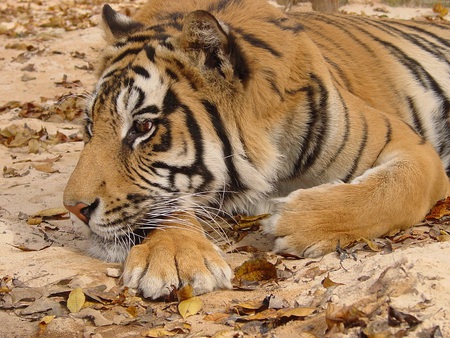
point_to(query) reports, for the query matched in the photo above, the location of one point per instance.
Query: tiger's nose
(82, 211)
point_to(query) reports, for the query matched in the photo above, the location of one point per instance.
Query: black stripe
(443, 41)
(258, 43)
(344, 139)
(141, 71)
(151, 109)
(125, 53)
(172, 74)
(271, 78)
(170, 102)
(150, 52)
(233, 174)
(417, 123)
(419, 41)
(317, 96)
(287, 25)
(221, 5)
(362, 146)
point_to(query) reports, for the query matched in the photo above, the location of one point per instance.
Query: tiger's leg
(174, 256)
(406, 180)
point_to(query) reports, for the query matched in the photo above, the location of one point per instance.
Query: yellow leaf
(251, 305)
(43, 324)
(443, 238)
(371, 244)
(190, 307)
(76, 300)
(263, 315)
(34, 220)
(132, 310)
(51, 212)
(440, 10)
(328, 283)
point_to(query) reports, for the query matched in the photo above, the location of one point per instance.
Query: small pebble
(113, 272)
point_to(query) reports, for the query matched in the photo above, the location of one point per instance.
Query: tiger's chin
(114, 249)
(108, 250)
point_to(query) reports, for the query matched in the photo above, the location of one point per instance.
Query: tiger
(335, 125)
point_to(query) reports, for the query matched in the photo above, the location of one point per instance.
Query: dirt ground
(394, 287)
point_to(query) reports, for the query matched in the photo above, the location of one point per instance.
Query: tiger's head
(160, 128)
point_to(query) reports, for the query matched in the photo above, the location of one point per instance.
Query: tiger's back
(399, 67)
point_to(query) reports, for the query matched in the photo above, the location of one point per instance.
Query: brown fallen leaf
(32, 246)
(95, 315)
(441, 209)
(396, 318)
(216, 317)
(185, 292)
(348, 316)
(314, 272)
(328, 283)
(250, 306)
(157, 332)
(296, 312)
(253, 270)
(263, 315)
(46, 168)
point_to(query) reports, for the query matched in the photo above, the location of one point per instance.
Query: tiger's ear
(202, 32)
(116, 25)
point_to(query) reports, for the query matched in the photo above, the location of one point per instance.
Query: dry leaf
(33, 246)
(46, 168)
(396, 318)
(328, 283)
(263, 315)
(296, 312)
(216, 317)
(445, 237)
(440, 10)
(43, 324)
(157, 332)
(95, 315)
(190, 307)
(348, 316)
(441, 209)
(251, 305)
(255, 270)
(314, 272)
(185, 292)
(371, 245)
(51, 213)
(76, 300)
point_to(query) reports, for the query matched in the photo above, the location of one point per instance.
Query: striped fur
(336, 125)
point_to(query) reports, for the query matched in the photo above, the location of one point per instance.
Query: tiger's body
(338, 126)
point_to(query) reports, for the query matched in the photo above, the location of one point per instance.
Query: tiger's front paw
(173, 258)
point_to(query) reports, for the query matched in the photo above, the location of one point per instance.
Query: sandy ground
(413, 278)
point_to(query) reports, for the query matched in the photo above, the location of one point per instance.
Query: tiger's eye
(142, 127)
